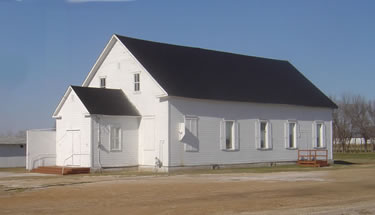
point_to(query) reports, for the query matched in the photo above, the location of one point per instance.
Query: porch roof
(103, 101)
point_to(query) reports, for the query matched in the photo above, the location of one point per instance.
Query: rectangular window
(229, 135)
(263, 134)
(115, 138)
(137, 82)
(292, 135)
(102, 83)
(319, 135)
(190, 139)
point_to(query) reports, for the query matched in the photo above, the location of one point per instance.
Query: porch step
(57, 170)
(318, 163)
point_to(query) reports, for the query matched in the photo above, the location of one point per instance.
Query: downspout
(99, 142)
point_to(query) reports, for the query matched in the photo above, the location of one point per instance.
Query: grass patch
(355, 158)
(14, 170)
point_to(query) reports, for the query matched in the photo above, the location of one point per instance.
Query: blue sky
(47, 45)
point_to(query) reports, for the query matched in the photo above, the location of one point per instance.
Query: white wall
(73, 120)
(41, 148)
(210, 113)
(128, 155)
(12, 155)
(119, 67)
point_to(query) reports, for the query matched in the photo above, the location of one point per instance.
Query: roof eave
(62, 101)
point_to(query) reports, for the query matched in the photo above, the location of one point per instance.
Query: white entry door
(148, 140)
(74, 148)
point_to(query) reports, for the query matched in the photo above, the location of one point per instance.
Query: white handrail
(71, 156)
(38, 156)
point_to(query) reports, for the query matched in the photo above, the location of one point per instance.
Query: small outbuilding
(12, 152)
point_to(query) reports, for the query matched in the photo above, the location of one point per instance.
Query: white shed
(12, 152)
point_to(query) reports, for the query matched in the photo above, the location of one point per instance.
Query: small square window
(102, 82)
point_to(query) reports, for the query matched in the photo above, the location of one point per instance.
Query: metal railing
(39, 158)
(71, 156)
(313, 155)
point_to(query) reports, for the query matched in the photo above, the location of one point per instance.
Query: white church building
(154, 105)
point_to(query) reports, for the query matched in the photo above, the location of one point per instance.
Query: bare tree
(358, 112)
(342, 126)
(372, 119)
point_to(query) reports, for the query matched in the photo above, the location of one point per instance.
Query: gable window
(191, 134)
(137, 82)
(319, 135)
(115, 138)
(263, 134)
(291, 134)
(229, 135)
(103, 82)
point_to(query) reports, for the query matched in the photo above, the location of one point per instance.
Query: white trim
(192, 119)
(268, 140)
(148, 116)
(62, 101)
(100, 60)
(114, 126)
(323, 135)
(140, 65)
(287, 131)
(137, 82)
(125, 116)
(100, 81)
(234, 135)
(73, 129)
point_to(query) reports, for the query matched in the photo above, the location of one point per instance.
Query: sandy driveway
(344, 191)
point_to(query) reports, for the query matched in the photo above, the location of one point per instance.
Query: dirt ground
(338, 191)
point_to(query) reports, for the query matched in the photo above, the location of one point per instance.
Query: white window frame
(322, 135)
(137, 83)
(287, 132)
(193, 129)
(105, 81)
(268, 143)
(111, 146)
(235, 136)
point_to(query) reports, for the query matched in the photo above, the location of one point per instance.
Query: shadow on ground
(343, 162)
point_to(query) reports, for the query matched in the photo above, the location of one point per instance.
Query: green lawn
(356, 158)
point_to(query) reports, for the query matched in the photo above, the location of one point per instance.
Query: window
(291, 128)
(115, 139)
(319, 135)
(263, 134)
(137, 82)
(229, 135)
(190, 139)
(102, 82)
